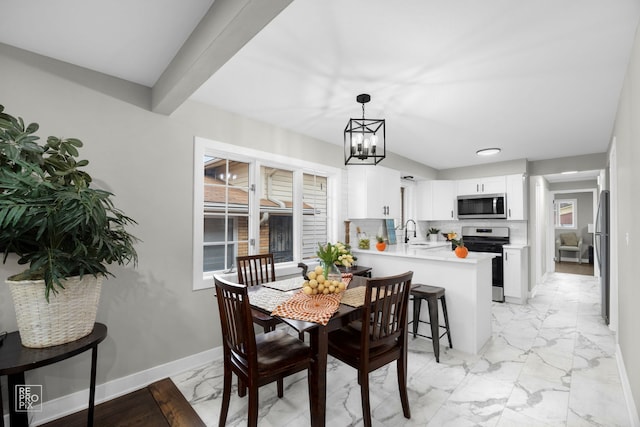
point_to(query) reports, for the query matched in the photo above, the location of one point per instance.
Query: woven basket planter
(69, 315)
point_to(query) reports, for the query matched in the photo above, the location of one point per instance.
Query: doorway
(574, 213)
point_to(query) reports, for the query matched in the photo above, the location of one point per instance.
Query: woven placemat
(268, 299)
(293, 283)
(354, 296)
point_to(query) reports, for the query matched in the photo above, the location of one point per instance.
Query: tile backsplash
(518, 231)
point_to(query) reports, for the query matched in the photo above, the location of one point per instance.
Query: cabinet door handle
(452, 213)
(509, 213)
(483, 188)
(506, 256)
(477, 188)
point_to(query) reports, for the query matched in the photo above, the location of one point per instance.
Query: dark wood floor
(160, 404)
(574, 268)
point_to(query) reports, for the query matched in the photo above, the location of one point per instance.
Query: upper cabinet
(489, 185)
(374, 192)
(436, 200)
(517, 197)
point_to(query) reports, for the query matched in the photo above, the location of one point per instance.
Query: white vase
(69, 315)
(433, 237)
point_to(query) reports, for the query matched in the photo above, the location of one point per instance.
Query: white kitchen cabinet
(517, 205)
(374, 192)
(516, 273)
(488, 185)
(436, 200)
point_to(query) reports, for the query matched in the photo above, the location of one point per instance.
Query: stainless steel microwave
(482, 206)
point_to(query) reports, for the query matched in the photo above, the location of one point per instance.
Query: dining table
(349, 309)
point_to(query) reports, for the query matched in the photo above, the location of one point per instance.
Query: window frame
(257, 158)
(557, 224)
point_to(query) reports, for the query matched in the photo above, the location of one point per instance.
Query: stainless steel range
(489, 239)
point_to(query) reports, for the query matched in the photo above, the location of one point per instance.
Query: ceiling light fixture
(488, 151)
(364, 139)
(568, 172)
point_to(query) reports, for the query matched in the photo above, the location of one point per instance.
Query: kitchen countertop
(467, 282)
(438, 251)
(515, 246)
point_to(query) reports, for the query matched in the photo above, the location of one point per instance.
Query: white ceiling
(540, 79)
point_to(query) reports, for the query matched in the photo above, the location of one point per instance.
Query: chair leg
(435, 331)
(446, 319)
(242, 388)
(364, 396)
(402, 386)
(253, 407)
(417, 302)
(226, 396)
(280, 384)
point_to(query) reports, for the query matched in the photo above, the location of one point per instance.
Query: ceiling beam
(226, 27)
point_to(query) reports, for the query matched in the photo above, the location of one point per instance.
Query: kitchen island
(467, 282)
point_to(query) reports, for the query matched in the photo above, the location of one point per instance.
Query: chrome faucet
(406, 230)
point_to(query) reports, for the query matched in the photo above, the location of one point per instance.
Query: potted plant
(66, 231)
(381, 245)
(433, 234)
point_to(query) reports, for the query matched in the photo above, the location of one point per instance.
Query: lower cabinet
(516, 274)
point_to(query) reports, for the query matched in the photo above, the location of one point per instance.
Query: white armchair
(569, 242)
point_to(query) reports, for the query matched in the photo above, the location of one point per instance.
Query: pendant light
(364, 139)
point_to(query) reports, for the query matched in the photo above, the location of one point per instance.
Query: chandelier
(364, 139)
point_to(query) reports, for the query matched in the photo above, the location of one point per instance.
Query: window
(248, 202)
(565, 213)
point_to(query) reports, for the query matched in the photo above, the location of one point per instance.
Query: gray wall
(627, 134)
(484, 170)
(146, 160)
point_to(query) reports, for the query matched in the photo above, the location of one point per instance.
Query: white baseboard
(626, 388)
(69, 404)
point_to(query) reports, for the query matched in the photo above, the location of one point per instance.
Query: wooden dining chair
(379, 338)
(255, 359)
(256, 270)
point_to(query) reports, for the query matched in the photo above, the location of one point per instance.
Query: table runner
(311, 308)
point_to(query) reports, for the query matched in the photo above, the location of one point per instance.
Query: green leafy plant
(49, 215)
(380, 239)
(433, 230)
(328, 253)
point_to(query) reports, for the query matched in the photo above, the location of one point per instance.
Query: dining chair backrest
(238, 335)
(385, 305)
(256, 269)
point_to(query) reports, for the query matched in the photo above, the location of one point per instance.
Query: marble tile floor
(549, 363)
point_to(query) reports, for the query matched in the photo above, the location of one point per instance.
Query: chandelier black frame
(364, 139)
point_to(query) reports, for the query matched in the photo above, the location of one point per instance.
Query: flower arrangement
(459, 248)
(338, 254)
(452, 237)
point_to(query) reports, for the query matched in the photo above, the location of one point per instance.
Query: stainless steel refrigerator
(601, 242)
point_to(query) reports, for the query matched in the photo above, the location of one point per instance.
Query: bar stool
(432, 294)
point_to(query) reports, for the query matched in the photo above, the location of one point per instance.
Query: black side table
(15, 360)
